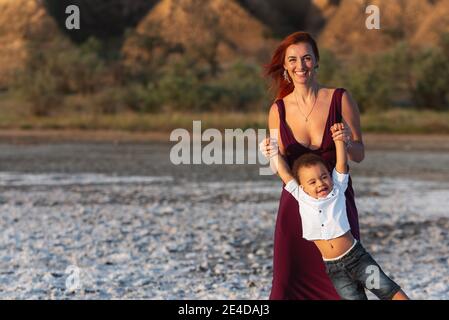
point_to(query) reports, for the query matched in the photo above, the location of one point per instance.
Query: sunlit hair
(275, 68)
(305, 161)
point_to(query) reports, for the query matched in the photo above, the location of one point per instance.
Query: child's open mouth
(322, 192)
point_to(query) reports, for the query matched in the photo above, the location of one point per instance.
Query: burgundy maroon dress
(298, 268)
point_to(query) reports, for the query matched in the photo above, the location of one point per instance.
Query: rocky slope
(214, 32)
(23, 24)
(418, 22)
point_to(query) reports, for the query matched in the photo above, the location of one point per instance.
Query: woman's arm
(278, 163)
(273, 125)
(351, 118)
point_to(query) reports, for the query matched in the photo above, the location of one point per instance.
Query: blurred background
(142, 64)
(91, 206)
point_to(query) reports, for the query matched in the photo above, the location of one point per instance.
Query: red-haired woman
(303, 113)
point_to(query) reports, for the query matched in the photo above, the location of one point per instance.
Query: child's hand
(338, 132)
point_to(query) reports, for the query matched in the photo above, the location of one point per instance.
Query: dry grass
(404, 121)
(136, 122)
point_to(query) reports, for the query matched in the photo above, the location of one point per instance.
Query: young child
(322, 204)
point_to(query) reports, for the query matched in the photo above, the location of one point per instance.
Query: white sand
(138, 237)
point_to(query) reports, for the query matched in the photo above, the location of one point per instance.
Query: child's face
(316, 180)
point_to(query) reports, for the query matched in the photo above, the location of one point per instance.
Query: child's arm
(278, 164)
(342, 158)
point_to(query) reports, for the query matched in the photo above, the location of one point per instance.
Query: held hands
(269, 147)
(341, 132)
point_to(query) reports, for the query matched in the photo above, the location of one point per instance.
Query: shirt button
(322, 225)
(321, 211)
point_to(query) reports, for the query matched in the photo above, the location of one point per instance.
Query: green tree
(369, 81)
(56, 70)
(432, 79)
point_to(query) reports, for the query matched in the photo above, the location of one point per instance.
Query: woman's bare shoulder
(327, 91)
(288, 99)
(273, 112)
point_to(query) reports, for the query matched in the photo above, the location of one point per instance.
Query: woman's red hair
(275, 68)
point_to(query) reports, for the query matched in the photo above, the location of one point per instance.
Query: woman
(303, 113)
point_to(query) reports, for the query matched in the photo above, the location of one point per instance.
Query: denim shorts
(357, 270)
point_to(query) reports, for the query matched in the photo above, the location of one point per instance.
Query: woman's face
(300, 62)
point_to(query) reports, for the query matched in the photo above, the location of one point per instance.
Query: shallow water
(134, 226)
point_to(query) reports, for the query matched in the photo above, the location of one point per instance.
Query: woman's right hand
(269, 147)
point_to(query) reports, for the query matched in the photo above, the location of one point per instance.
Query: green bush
(85, 67)
(109, 101)
(57, 70)
(181, 89)
(419, 76)
(369, 82)
(187, 87)
(329, 67)
(397, 65)
(133, 97)
(241, 87)
(142, 98)
(41, 92)
(432, 79)
(399, 76)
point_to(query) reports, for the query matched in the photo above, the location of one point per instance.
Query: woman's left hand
(269, 147)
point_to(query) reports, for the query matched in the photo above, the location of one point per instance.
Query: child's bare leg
(400, 295)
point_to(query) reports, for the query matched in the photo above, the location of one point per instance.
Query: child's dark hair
(304, 161)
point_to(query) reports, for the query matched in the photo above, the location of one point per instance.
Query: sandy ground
(115, 219)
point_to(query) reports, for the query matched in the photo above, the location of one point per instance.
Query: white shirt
(324, 218)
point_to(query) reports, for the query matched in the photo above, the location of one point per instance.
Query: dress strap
(281, 109)
(336, 105)
(333, 117)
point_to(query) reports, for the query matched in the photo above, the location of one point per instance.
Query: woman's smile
(301, 73)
